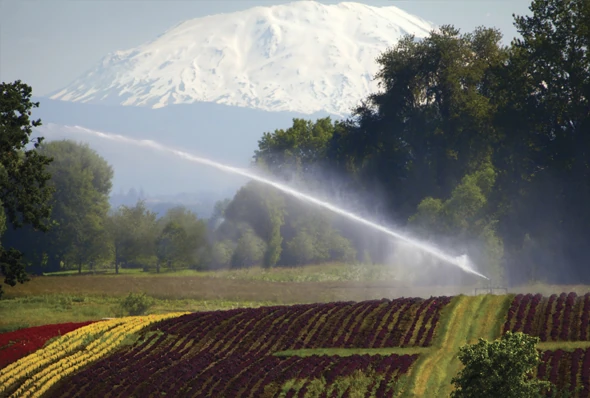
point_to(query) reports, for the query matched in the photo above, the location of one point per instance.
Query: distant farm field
(402, 347)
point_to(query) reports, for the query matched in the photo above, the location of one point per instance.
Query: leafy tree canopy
(24, 192)
(502, 368)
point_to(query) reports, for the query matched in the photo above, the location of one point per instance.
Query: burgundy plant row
(230, 353)
(567, 370)
(561, 317)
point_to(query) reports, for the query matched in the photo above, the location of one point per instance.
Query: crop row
(34, 374)
(555, 318)
(371, 324)
(219, 351)
(232, 376)
(17, 344)
(568, 370)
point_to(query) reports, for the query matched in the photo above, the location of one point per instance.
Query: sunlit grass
(311, 273)
(330, 272)
(22, 312)
(563, 345)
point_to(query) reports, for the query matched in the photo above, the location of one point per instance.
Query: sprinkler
(490, 288)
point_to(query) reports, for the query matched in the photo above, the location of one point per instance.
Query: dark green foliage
(133, 231)
(249, 250)
(503, 368)
(295, 152)
(181, 240)
(83, 181)
(24, 192)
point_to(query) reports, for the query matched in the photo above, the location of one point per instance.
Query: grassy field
(69, 297)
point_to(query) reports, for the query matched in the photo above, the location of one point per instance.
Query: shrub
(502, 368)
(137, 303)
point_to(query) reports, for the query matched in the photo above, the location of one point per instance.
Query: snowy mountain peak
(303, 56)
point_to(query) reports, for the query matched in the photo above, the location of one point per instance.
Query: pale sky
(48, 43)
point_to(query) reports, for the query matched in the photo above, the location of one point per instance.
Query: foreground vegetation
(404, 347)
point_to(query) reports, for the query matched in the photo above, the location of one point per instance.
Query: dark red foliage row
(20, 343)
(512, 311)
(228, 353)
(520, 315)
(556, 318)
(210, 376)
(432, 315)
(567, 370)
(344, 324)
(530, 317)
(546, 316)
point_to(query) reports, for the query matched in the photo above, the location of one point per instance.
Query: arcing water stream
(461, 261)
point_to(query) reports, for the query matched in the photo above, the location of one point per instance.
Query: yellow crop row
(40, 370)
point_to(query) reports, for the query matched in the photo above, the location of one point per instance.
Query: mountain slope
(302, 56)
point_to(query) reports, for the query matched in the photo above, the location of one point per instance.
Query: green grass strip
(345, 352)
(563, 345)
(464, 321)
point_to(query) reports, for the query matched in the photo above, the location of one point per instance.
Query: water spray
(462, 261)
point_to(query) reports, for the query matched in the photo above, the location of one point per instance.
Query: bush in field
(137, 303)
(502, 368)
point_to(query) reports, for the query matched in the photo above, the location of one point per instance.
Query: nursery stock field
(400, 347)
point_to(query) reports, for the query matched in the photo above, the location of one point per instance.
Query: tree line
(469, 142)
(482, 146)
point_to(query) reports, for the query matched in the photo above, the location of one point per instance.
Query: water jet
(461, 261)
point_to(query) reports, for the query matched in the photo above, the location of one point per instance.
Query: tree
(467, 218)
(429, 125)
(295, 152)
(218, 213)
(172, 244)
(222, 253)
(543, 115)
(24, 192)
(262, 209)
(249, 250)
(182, 240)
(133, 230)
(502, 368)
(300, 249)
(82, 180)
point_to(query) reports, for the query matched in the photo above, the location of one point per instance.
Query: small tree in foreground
(502, 368)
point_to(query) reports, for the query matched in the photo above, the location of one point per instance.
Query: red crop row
(567, 370)
(225, 353)
(20, 343)
(556, 318)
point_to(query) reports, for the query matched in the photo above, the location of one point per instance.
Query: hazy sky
(48, 43)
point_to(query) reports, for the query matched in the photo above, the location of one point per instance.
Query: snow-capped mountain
(303, 56)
